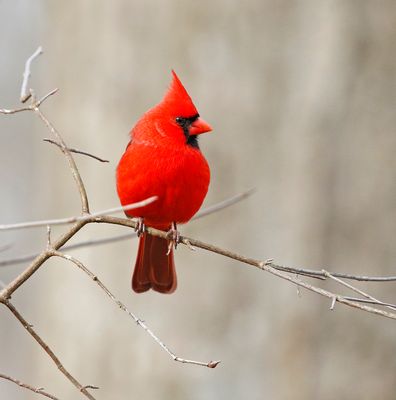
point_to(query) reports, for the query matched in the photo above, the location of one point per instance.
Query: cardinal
(163, 159)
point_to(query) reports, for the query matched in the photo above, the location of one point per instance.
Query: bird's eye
(179, 120)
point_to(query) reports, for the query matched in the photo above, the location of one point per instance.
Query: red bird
(163, 159)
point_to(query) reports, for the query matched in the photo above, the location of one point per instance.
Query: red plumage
(163, 159)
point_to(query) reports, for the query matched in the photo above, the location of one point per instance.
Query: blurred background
(302, 96)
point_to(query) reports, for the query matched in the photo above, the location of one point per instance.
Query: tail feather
(154, 268)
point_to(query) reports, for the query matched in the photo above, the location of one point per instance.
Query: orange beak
(199, 126)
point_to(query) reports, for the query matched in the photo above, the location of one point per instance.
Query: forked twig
(76, 151)
(138, 321)
(29, 387)
(372, 299)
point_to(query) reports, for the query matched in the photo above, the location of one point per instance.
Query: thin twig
(45, 97)
(76, 151)
(356, 290)
(70, 160)
(70, 220)
(14, 110)
(39, 390)
(368, 301)
(25, 94)
(137, 320)
(35, 107)
(225, 203)
(47, 349)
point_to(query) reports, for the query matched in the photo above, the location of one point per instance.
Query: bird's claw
(140, 227)
(173, 235)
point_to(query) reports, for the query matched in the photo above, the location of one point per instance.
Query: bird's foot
(173, 235)
(140, 227)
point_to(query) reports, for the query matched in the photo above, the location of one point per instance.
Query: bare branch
(25, 94)
(47, 349)
(26, 386)
(268, 266)
(137, 320)
(70, 220)
(77, 151)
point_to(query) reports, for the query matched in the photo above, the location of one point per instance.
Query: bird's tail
(154, 268)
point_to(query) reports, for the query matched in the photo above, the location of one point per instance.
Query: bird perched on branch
(163, 159)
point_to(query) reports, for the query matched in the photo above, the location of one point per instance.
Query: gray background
(301, 95)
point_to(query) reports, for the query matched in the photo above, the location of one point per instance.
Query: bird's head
(176, 117)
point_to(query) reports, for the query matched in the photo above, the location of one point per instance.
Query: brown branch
(76, 151)
(25, 94)
(47, 349)
(267, 266)
(319, 274)
(138, 321)
(39, 390)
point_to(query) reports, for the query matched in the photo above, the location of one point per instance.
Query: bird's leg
(173, 236)
(140, 227)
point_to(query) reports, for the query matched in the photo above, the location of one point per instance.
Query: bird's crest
(178, 100)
